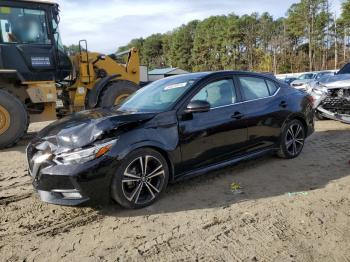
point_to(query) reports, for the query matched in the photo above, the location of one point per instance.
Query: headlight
(297, 84)
(84, 155)
(320, 90)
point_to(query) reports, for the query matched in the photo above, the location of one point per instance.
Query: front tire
(13, 119)
(141, 179)
(292, 140)
(116, 92)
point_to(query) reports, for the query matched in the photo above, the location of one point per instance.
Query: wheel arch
(292, 117)
(301, 118)
(95, 92)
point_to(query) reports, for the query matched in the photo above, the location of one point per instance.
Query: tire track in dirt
(15, 186)
(12, 199)
(67, 225)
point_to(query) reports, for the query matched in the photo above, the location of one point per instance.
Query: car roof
(325, 72)
(209, 74)
(51, 2)
(309, 73)
(226, 72)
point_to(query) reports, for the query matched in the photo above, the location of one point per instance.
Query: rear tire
(141, 179)
(292, 140)
(116, 92)
(14, 119)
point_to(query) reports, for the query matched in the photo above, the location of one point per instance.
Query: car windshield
(306, 76)
(158, 96)
(320, 75)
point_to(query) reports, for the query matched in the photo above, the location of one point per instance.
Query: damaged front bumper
(71, 185)
(345, 118)
(332, 103)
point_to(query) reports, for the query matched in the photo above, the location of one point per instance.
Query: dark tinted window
(218, 93)
(253, 87)
(272, 87)
(25, 26)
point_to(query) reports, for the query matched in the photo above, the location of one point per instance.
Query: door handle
(283, 104)
(237, 115)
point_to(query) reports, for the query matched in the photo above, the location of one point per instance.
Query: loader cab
(30, 42)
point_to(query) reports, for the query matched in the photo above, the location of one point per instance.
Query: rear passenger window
(272, 87)
(253, 87)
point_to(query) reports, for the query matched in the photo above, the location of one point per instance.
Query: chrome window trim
(279, 88)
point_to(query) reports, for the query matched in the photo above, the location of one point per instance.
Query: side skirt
(204, 170)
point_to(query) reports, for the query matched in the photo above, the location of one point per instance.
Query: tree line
(309, 38)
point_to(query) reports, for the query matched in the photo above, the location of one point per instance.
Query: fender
(11, 74)
(95, 92)
(291, 117)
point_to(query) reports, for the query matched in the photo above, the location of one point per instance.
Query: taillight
(311, 99)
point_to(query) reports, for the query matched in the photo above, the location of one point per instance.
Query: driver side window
(218, 93)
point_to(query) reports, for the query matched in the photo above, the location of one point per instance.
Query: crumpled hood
(83, 128)
(337, 81)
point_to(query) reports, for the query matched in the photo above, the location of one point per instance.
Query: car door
(266, 110)
(210, 137)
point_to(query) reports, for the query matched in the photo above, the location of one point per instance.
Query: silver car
(305, 79)
(332, 97)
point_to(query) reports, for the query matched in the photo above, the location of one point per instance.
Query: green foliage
(345, 15)
(305, 39)
(72, 49)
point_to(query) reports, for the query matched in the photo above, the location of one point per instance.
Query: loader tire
(116, 92)
(14, 119)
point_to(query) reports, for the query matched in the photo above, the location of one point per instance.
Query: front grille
(337, 101)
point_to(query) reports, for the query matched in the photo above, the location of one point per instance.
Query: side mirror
(197, 106)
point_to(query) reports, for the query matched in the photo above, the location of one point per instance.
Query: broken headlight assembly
(81, 156)
(320, 90)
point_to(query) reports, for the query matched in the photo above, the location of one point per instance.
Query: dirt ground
(288, 210)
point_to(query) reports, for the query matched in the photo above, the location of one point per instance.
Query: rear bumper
(73, 185)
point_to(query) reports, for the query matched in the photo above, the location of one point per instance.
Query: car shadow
(324, 159)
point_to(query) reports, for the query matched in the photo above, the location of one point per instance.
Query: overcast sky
(108, 24)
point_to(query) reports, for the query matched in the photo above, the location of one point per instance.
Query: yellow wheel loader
(40, 82)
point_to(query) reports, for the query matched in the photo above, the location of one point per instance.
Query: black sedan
(172, 129)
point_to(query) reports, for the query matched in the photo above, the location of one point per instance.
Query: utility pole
(310, 9)
(344, 45)
(335, 43)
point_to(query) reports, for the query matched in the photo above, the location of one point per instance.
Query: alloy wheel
(143, 180)
(295, 139)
